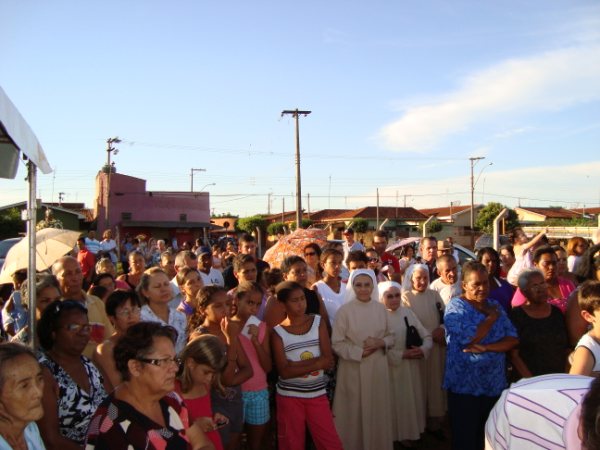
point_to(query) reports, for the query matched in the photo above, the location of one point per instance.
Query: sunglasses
(310, 253)
(373, 260)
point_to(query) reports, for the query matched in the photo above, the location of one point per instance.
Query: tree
(432, 227)
(485, 218)
(360, 225)
(305, 224)
(276, 228)
(11, 223)
(250, 224)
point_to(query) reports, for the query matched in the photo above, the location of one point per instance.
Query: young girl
(189, 283)
(586, 358)
(301, 351)
(405, 367)
(255, 395)
(211, 318)
(523, 248)
(362, 403)
(204, 359)
(428, 307)
(330, 288)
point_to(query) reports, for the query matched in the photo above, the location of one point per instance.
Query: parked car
(487, 240)
(5, 246)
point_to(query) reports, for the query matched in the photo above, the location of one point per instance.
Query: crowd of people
(342, 347)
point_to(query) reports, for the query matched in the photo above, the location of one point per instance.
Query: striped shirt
(301, 347)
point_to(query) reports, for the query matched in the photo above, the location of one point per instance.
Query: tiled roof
(327, 214)
(446, 210)
(385, 212)
(551, 213)
(581, 211)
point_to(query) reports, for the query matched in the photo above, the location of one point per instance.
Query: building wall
(526, 216)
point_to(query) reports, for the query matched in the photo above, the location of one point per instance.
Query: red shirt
(87, 261)
(389, 259)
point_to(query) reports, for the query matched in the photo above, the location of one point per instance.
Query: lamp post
(109, 149)
(206, 185)
(192, 177)
(474, 160)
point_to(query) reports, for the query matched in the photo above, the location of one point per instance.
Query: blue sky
(402, 94)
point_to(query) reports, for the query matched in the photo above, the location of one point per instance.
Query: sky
(402, 94)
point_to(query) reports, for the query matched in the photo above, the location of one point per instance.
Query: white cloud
(547, 82)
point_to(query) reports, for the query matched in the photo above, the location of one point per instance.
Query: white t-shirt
(213, 278)
(593, 346)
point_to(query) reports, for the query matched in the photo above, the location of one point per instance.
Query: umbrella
(293, 244)
(401, 243)
(51, 244)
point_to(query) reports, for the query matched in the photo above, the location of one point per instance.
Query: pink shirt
(258, 382)
(565, 286)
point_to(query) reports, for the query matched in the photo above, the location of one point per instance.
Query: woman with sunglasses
(144, 411)
(73, 386)
(312, 256)
(375, 265)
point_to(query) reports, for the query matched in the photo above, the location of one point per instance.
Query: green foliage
(485, 218)
(250, 224)
(360, 225)
(432, 227)
(222, 215)
(578, 222)
(305, 224)
(10, 223)
(276, 228)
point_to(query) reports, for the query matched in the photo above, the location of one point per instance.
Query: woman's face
(108, 283)
(107, 267)
(333, 266)
(159, 378)
(249, 303)
(192, 284)
(490, 263)
(217, 310)
(73, 332)
(201, 374)
(580, 248)
(536, 290)
(561, 261)
(506, 258)
(410, 252)
(476, 286)
(159, 289)
(295, 305)
(392, 298)
(420, 280)
(363, 286)
(549, 266)
(21, 395)
(374, 261)
(137, 263)
(298, 273)
(44, 298)
(126, 315)
(311, 256)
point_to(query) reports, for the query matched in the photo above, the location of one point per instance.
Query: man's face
(81, 244)
(167, 263)
(448, 272)
(380, 244)
(248, 248)
(70, 277)
(205, 262)
(191, 263)
(349, 237)
(429, 250)
(92, 235)
(247, 272)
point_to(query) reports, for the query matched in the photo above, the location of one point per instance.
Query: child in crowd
(523, 248)
(204, 359)
(301, 351)
(254, 338)
(245, 269)
(586, 358)
(189, 283)
(330, 288)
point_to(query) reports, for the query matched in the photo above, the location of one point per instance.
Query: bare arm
(503, 345)
(583, 362)
(528, 245)
(238, 367)
(486, 325)
(322, 310)
(519, 364)
(576, 324)
(274, 312)
(263, 350)
(103, 359)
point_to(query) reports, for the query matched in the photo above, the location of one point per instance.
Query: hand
(413, 353)
(374, 342)
(475, 348)
(368, 351)
(253, 331)
(327, 363)
(219, 420)
(439, 335)
(206, 424)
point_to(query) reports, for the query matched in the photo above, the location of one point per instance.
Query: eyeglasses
(310, 253)
(78, 327)
(127, 313)
(373, 260)
(161, 362)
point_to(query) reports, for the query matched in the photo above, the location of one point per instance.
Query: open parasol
(293, 244)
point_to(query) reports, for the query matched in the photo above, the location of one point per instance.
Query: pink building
(162, 215)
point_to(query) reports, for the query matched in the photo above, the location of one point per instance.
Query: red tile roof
(385, 212)
(327, 214)
(445, 210)
(551, 213)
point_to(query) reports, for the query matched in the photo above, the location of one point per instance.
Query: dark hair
(246, 238)
(118, 298)
(10, 351)
(493, 254)
(509, 248)
(514, 234)
(472, 266)
(183, 273)
(272, 277)
(590, 417)
(357, 256)
(204, 298)
(287, 263)
(428, 238)
(285, 289)
(245, 287)
(97, 291)
(330, 252)
(240, 260)
(588, 296)
(134, 253)
(51, 316)
(137, 342)
(315, 247)
(42, 281)
(102, 276)
(381, 234)
(588, 264)
(208, 350)
(543, 250)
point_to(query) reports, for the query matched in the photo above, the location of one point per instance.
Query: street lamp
(205, 186)
(192, 177)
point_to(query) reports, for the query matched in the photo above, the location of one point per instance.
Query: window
(125, 216)
(183, 217)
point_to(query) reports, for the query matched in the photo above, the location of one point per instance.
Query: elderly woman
(559, 288)
(478, 334)
(108, 246)
(47, 290)
(156, 292)
(21, 386)
(408, 393)
(500, 289)
(74, 387)
(144, 412)
(106, 266)
(362, 402)
(123, 309)
(543, 343)
(137, 264)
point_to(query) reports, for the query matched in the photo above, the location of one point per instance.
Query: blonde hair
(208, 350)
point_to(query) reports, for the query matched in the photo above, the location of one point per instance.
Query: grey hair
(527, 275)
(42, 281)
(10, 351)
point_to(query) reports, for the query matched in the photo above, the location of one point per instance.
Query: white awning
(16, 135)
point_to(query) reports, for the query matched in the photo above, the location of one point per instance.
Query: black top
(312, 301)
(231, 281)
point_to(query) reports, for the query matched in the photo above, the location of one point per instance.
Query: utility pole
(192, 177)
(269, 203)
(295, 113)
(61, 196)
(308, 204)
(109, 149)
(377, 220)
(283, 210)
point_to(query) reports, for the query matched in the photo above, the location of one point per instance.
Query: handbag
(412, 336)
(440, 311)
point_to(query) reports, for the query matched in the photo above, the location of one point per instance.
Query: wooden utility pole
(296, 113)
(109, 149)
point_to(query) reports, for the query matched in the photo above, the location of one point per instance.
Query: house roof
(79, 214)
(445, 211)
(582, 211)
(385, 212)
(550, 213)
(327, 214)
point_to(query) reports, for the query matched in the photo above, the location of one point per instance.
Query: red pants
(294, 413)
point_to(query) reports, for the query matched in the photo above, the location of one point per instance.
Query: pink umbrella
(293, 244)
